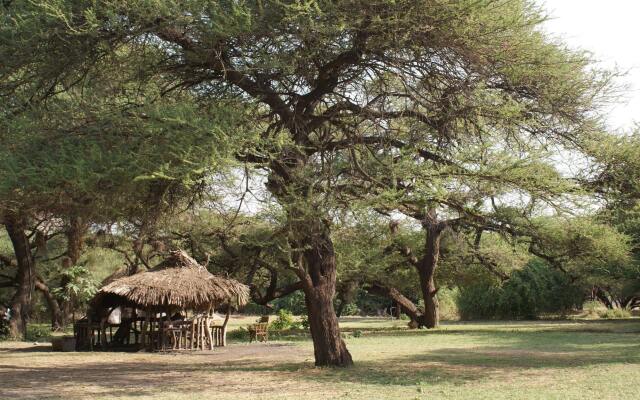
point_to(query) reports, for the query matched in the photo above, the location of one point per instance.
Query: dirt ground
(29, 371)
(495, 360)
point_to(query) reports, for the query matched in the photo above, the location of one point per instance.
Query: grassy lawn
(549, 360)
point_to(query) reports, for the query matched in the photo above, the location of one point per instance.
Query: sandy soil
(29, 371)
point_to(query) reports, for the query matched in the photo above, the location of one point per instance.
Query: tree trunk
(52, 303)
(346, 293)
(602, 296)
(431, 306)
(427, 267)
(25, 278)
(74, 233)
(319, 285)
(407, 306)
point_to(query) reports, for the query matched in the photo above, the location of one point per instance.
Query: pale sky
(610, 29)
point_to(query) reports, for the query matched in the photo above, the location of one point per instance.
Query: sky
(610, 29)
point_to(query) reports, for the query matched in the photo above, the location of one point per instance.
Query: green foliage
(593, 308)
(304, 322)
(528, 293)
(448, 304)
(38, 333)
(350, 309)
(80, 287)
(239, 334)
(293, 303)
(616, 313)
(370, 304)
(478, 301)
(253, 309)
(345, 104)
(105, 164)
(4, 328)
(285, 321)
(538, 289)
(597, 254)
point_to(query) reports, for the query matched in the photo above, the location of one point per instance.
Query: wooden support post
(224, 327)
(103, 335)
(90, 333)
(151, 333)
(209, 333)
(193, 334)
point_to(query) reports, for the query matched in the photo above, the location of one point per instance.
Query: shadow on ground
(277, 367)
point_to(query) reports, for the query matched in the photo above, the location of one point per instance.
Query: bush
(239, 334)
(593, 309)
(616, 313)
(529, 292)
(38, 333)
(448, 304)
(350, 309)
(294, 303)
(478, 301)
(4, 329)
(369, 304)
(304, 322)
(537, 289)
(285, 321)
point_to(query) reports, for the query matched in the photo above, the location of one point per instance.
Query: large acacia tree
(327, 80)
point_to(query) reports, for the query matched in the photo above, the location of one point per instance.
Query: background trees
(413, 106)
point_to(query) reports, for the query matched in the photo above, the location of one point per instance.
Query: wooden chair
(260, 331)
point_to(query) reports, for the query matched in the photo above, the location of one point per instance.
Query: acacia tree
(318, 74)
(615, 177)
(476, 190)
(107, 167)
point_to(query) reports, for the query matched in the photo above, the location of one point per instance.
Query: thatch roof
(179, 281)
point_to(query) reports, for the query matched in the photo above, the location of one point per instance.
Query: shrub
(537, 289)
(38, 333)
(616, 313)
(350, 309)
(593, 308)
(529, 292)
(448, 304)
(285, 321)
(4, 329)
(304, 322)
(294, 303)
(239, 334)
(369, 304)
(478, 301)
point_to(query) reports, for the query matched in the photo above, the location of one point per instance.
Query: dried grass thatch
(180, 282)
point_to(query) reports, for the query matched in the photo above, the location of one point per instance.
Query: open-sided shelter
(170, 306)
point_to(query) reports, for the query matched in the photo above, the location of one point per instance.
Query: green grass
(484, 360)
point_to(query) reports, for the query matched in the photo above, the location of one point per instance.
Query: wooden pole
(224, 327)
(90, 333)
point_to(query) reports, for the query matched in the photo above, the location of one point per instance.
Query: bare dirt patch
(29, 372)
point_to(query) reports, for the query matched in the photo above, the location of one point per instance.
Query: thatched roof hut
(178, 282)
